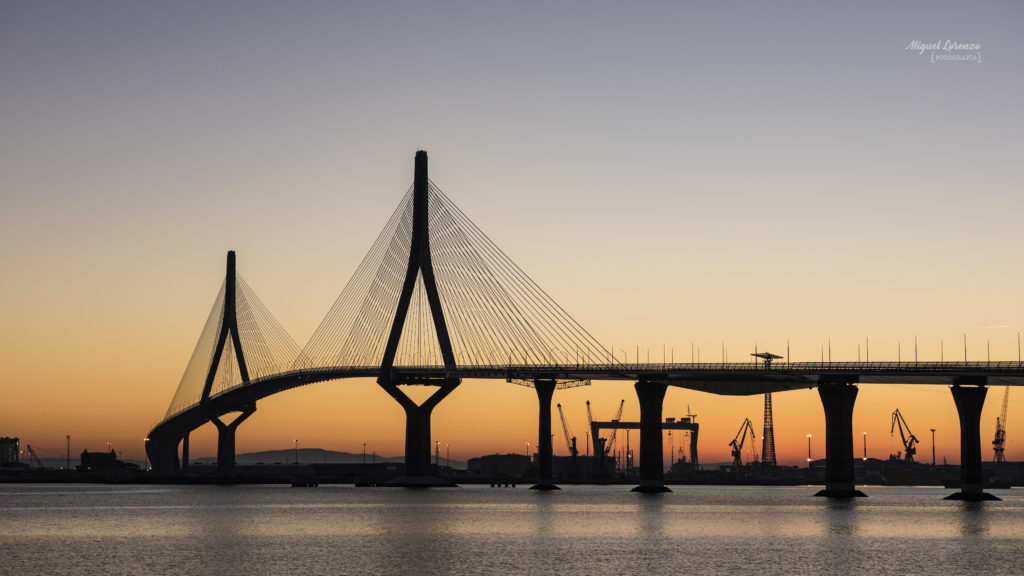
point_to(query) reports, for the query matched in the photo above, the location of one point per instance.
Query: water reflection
(974, 518)
(579, 530)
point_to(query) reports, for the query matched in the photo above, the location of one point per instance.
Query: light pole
(448, 454)
(145, 454)
(808, 450)
(933, 447)
(437, 454)
(364, 453)
(296, 451)
(865, 447)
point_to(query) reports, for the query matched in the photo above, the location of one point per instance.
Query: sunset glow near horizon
(705, 178)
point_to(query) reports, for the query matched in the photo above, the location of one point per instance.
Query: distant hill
(313, 456)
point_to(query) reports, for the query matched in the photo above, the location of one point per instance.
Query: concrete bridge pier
(545, 390)
(163, 456)
(652, 472)
(837, 398)
(419, 472)
(969, 401)
(226, 441)
(184, 452)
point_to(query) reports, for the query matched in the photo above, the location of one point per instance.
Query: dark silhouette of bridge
(435, 301)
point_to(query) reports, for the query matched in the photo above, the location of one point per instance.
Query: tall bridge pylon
(240, 341)
(420, 268)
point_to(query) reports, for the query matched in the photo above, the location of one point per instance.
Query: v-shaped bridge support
(417, 426)
(229, 324)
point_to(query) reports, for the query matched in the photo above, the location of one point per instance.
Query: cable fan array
(495, 314)
(266, 347)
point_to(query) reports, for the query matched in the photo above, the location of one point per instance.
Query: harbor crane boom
(570, 438)
(618, 416)
(1000, 439)
(737, 443)
(908, 438)
(35, 458)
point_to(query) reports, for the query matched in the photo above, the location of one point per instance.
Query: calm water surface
(95, 529)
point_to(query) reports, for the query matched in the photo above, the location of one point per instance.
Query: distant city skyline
(721, 177)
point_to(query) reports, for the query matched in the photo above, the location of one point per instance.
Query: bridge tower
(228, 325)
(163, 451)
(417, 416)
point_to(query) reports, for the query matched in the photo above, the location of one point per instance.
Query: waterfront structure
(435, 301)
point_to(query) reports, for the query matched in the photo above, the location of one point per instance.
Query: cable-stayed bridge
(435, 301)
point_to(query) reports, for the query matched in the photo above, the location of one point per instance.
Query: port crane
(35, 458)
(618, 416)
(908, 438)
(570, 438)
(737, 443)
(1000, 439)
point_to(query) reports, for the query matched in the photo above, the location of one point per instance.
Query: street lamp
(933, 447)
(145, 454)
(364, 453)
(808, 450)
(865, 459)
(296, 451)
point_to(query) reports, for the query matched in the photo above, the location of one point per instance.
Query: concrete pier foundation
(969, 402)
(652, 473)
(163, 456)
(545, 390)
(837, 398)
(184, 453)
(226, 441)
(419, 472)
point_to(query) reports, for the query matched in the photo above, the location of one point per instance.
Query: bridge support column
(837, 398)
(184, 453)
(226, 441)
(969, 402)
(419, 472)
(163, 456)
(652, 472)
(545, 390)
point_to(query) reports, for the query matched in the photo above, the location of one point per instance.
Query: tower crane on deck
(1000, 439)
(737, 443)
(908, 438)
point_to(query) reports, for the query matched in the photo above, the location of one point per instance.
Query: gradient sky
(671, 173)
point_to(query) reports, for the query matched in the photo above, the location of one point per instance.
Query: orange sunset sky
(673, 175)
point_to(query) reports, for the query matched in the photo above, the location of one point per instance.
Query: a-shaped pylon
(417, 422)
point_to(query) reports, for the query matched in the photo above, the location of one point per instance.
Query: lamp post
(364, 453)
(933, 447)
(145, 454)
(808, 450)
(296, 451)
(865, 459)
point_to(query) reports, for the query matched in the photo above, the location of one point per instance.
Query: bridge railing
(625, 371)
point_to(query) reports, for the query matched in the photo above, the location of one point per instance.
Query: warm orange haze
(119, 398)
(687, 182)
